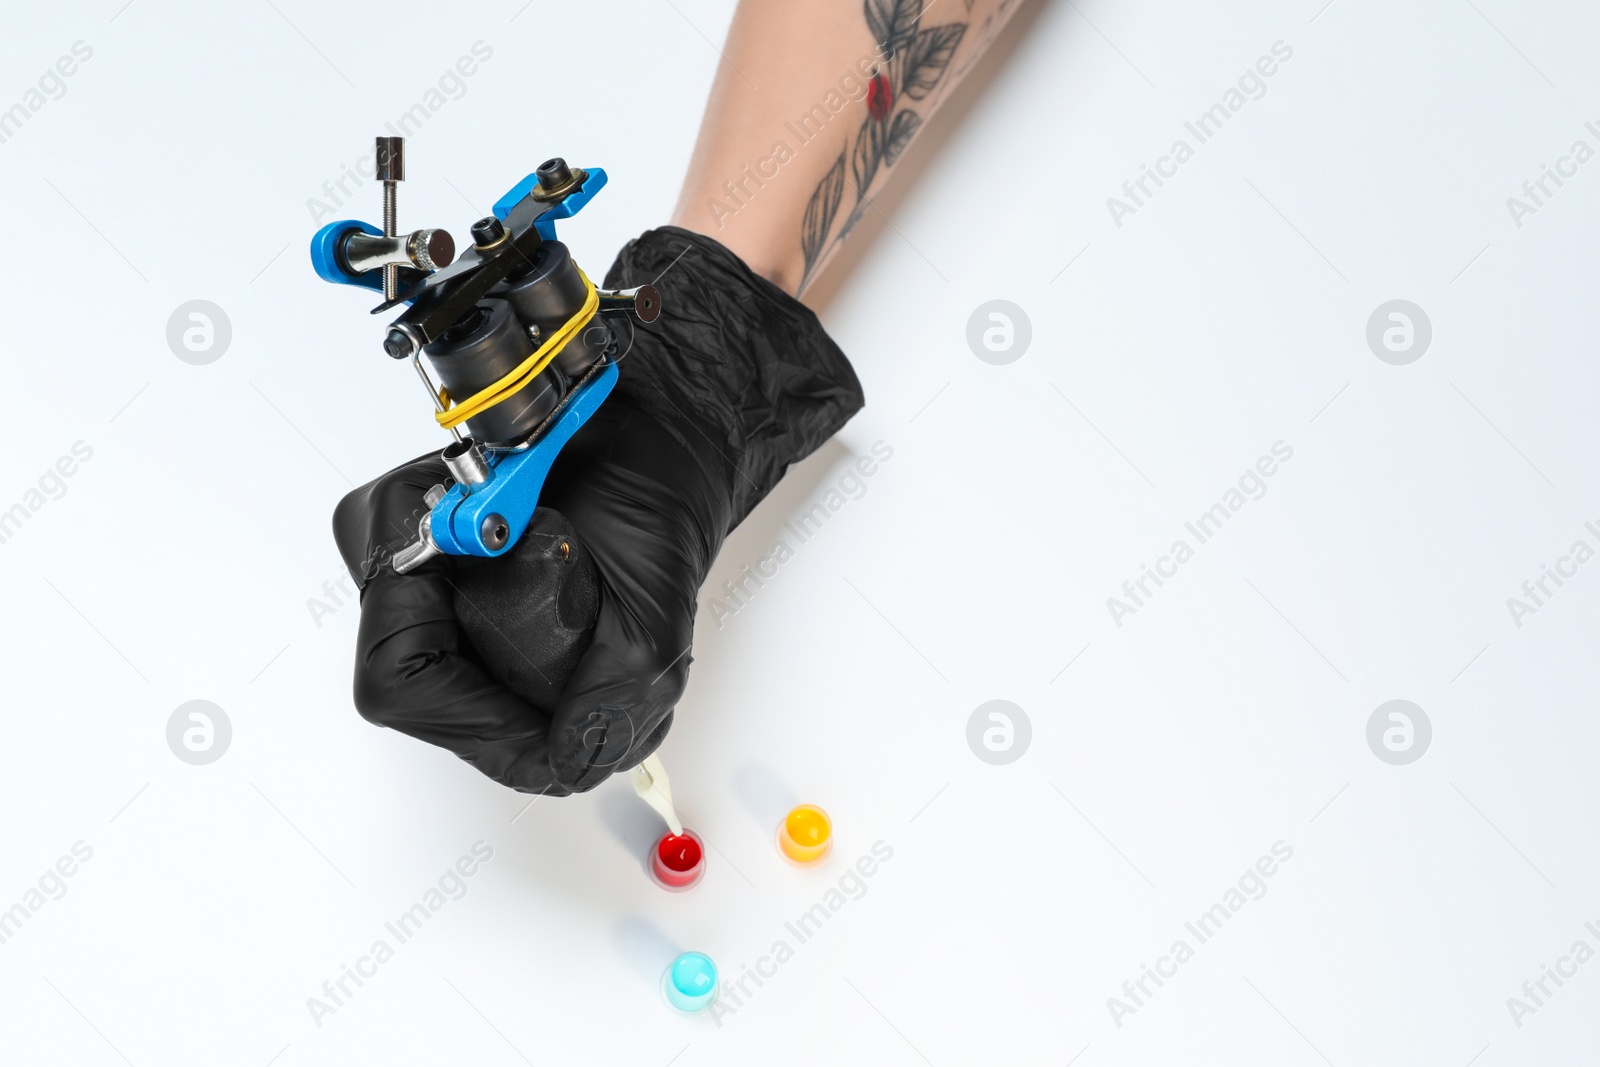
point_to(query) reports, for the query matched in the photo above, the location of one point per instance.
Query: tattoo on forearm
(915, 59)
(983, 37)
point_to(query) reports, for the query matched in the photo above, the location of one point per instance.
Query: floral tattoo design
(915, 59)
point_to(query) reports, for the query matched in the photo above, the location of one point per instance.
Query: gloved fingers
(375, 521)
(619, 701)
(413, 675)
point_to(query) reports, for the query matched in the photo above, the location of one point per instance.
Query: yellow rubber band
(527, 370)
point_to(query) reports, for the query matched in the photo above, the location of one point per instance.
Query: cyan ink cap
(690, 983)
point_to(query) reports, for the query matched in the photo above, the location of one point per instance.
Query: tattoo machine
(521, 339)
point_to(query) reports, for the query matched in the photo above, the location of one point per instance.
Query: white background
(1229, 713)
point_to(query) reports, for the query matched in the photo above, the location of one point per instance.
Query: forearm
(811, 109)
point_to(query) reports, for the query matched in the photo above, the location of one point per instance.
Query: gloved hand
(734, 382)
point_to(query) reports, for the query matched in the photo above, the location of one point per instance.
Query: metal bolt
(553, 173)
(487, 232)
(390, 168)
(494, 531)
(397, 345)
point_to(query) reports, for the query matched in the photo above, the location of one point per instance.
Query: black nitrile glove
(544, 673)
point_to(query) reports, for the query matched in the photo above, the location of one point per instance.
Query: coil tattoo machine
(521, 340)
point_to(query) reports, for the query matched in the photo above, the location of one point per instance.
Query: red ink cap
(678, 861)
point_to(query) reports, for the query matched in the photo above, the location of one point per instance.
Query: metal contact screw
(390, 169)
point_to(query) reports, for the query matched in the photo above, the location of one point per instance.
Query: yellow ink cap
(805, 836)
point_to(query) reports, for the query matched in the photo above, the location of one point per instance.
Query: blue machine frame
(516, 477)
